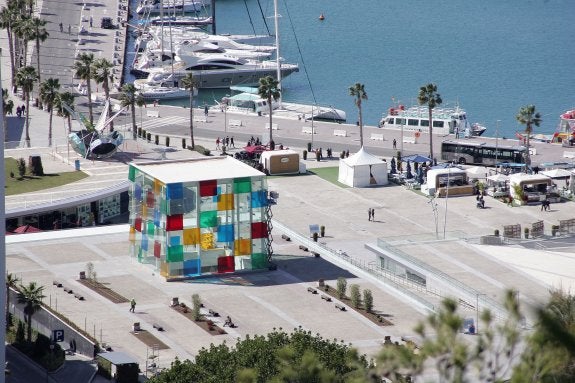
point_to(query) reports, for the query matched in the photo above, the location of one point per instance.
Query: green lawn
(27, 184)
(328, 174)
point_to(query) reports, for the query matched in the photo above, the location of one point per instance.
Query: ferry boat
(566, 132)
(445, 121)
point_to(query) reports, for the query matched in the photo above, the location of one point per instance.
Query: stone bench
(326, 298)
(68, 290)
(79, 297)
(153, 113)
(340, 133)
(158, 326)
(235, 123)
(285, 237)
(409, 140)
(302, 247)
(308, 130)
(312, 290)
(340, 307)
(274, 126)
(57, 284)
(213, 313)
(377, 137)
(315, 254)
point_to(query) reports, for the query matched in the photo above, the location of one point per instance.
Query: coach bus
(481, 153)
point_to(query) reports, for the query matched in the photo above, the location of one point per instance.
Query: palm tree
(130, 97)
(102, 72)
(11, 281)
(528, 117)
(7, 106)
(68, 99)
(428, 96)
(7, 17)
(358, 92)
(31, 296)
(24, 30)
(25, 78)
(83, 68)
(190, 83)
(269, 89)
(48, 94)
(40, 35)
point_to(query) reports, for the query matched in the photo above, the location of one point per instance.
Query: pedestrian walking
(218, 143)
(69, 29)
(23, 109)
(232, 142)
(133, 305)
(394, 144)
(18, 112)
(228, 141)
(373, 214)
(206, 110)
(91, 21)
(369, 214)
(61, 27)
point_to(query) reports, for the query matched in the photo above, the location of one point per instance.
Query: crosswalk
(155, 123)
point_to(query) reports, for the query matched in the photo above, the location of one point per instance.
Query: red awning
(26, 229)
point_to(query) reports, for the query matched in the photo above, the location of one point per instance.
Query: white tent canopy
(498, 178)
(362, 170)
(557, 173)
(477, 172)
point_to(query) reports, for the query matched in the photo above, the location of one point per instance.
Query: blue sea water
(490, 56)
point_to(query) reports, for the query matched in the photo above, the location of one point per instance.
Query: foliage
(189, 83)
(25, 79)
(428, 96)
(196, 305)
(341, 287)
(130, 96)
(355, 296)
(276, 357)
(83, 70)
(21, 167)
(20, 332)
(31, 295)
(48, 94)
(357, 91)
(11, 283)
(528, 117)
(519, 193)
(368, 300)
(269, 88)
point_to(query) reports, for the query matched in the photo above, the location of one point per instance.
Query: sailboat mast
(277, 32)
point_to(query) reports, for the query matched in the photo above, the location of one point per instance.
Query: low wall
(45, 322)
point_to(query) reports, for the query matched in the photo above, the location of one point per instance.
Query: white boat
(164, 92)
(445, 121)
(152, 7)
(213, 71)
(565, 133)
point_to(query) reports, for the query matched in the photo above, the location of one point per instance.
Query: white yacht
(445, 121)
(218, 71)
(152, 7)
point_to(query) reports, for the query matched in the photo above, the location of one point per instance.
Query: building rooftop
(197, 169)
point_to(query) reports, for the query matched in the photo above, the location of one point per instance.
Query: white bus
(481, 153)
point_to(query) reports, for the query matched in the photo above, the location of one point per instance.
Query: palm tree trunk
(50, 127)
(430, 135)
(360, 127)
(271, 128)
(38, 58)
(28, 119)
(12, 57)
(134, 127)
(192, 118)
(89, 89)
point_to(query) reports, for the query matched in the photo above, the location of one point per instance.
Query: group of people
(254, 141)
(20, 110)
(225, 142)
(371, 214)
(480, 200)
(545, 205)
(70, 26)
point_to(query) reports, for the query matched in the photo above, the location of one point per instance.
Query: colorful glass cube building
(199, 216)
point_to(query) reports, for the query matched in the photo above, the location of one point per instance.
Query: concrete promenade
(263, 301)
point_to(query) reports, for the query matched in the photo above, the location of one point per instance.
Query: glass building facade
(199, 225)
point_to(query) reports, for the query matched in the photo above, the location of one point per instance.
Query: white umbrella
(557, 173)
(498, 178)
(477, 172)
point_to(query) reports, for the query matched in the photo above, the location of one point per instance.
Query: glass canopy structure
(199, 216)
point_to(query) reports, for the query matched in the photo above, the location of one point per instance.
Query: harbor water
(491, 57)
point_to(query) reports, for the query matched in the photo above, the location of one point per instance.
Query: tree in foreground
(528, 117)
(269, 89)
(31, 295)
(39, 35)
(276, 357)
(48, 94)
(428, 96)
(102, 73)
(190, 83)
(357, 91)
(68, 99)
(25, 79)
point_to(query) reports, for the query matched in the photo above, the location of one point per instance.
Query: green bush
(341, 287)
(200, 149)
(368, 300)
(196, 305)
(355, 296)
(21, 167)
